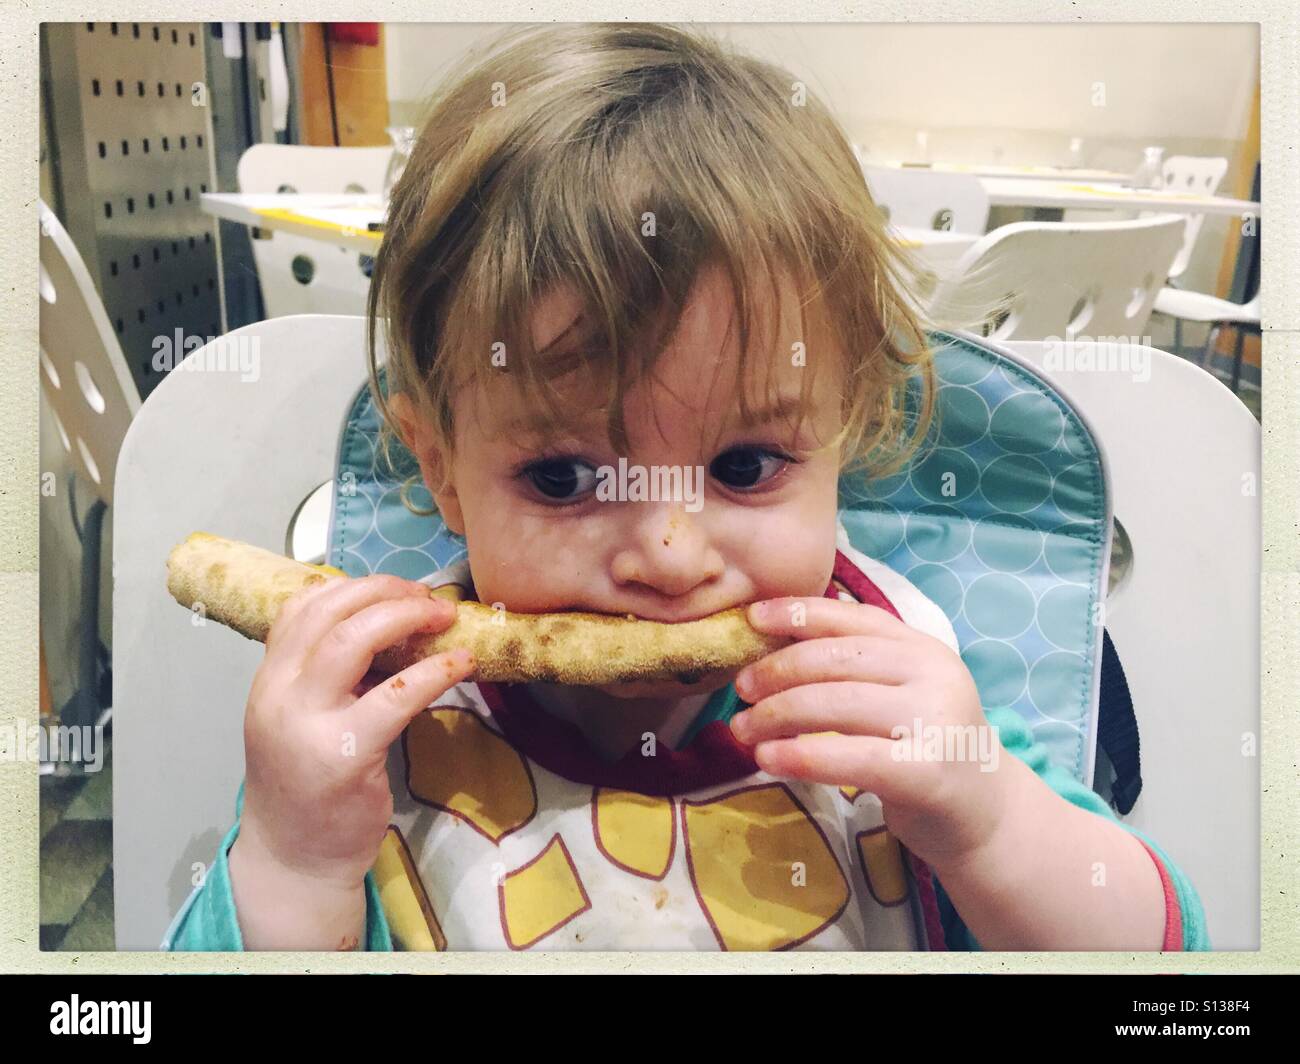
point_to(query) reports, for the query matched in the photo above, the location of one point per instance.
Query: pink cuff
(929, 902)
(1173, 914)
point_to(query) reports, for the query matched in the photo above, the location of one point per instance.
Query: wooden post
(344, 90)
(1237, 183)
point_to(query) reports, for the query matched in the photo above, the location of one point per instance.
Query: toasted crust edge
(244, 588)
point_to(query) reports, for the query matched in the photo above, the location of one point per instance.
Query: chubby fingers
(285, 624)
(844, 707)
(865, 761)
(883, 766)
(379, 716)
(308, 616)
(860, 658)
(816, 618)
(343, 657)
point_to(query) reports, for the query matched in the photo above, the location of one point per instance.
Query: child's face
(541, 538)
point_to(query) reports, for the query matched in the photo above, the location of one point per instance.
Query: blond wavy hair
(536, 167)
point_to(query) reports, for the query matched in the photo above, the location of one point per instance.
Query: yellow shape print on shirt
(455, 762)
(762, 868)
(638, 832)
(541, 896)
(410, 916)
(882, 865)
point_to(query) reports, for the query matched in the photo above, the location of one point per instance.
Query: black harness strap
(1117, 729)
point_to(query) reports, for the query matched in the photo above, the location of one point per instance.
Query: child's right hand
(317, 728)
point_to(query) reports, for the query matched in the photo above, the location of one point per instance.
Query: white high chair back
(335, 282)
(929, 199)
(1038, 280)
(84, 376)
(1185, 470)
(181, 689)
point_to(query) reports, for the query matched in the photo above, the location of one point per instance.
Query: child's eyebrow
(593, 421)
(780, 409)
(535, 424)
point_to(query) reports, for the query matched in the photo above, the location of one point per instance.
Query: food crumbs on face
(398, 683)
(349, 943)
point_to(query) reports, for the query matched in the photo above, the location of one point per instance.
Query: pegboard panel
(133, 136)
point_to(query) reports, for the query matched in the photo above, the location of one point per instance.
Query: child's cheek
(793, 553)
(530, 565)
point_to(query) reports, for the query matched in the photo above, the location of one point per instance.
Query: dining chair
(1179, 173)
(300, 275)
(1202, 174)
(928, 199)
(1243, 318)
(89, 394)
(1199, 174)
(1060, 280)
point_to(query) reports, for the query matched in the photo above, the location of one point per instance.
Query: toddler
(626, 247)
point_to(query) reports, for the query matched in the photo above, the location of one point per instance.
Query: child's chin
(705, 684)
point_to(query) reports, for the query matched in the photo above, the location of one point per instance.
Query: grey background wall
(996, 93)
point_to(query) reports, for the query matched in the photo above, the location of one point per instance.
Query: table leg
(1237, 356)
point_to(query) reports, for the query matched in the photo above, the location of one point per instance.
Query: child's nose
(668, 551)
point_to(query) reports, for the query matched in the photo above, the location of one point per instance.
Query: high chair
(1018, 555)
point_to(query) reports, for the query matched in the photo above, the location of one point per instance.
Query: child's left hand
(825, 709)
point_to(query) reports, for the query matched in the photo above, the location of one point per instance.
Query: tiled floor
(77, 859)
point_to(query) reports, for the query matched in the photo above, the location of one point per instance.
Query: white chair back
(84, 376)
(928, 199)
(1039, 280)
(1191, 173)
(1184, 468)
(333, 281)
(179, 690)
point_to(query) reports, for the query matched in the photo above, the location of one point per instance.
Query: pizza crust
(243, 587)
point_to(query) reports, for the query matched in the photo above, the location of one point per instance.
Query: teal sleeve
(207, 921)
(1017, 738)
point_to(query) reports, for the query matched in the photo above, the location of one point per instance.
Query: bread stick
(244, 587)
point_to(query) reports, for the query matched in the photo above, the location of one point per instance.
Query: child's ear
(427, 451)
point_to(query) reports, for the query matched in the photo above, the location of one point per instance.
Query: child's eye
(747, 467)
(561, 478)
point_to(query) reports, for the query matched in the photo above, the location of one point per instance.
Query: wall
(982, 93)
